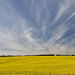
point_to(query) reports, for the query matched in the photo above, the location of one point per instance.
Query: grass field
(37, 65)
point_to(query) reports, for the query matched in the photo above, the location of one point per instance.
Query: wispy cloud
(43, 28)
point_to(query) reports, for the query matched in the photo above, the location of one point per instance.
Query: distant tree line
(65, 55)
(9, 55)
(38, 55)
(45, 55)
(54, 55)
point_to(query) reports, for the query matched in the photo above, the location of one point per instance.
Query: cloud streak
(37, 26)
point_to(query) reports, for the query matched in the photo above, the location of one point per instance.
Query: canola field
(37, 65)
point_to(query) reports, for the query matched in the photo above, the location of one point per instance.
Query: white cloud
(18, 39)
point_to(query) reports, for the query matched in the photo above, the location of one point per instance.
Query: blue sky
(37, 27)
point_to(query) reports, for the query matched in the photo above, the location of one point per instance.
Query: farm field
(37, 65)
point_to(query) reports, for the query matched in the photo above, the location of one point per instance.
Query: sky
(30, 27)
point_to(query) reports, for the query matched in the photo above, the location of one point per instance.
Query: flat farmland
(37, 65)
